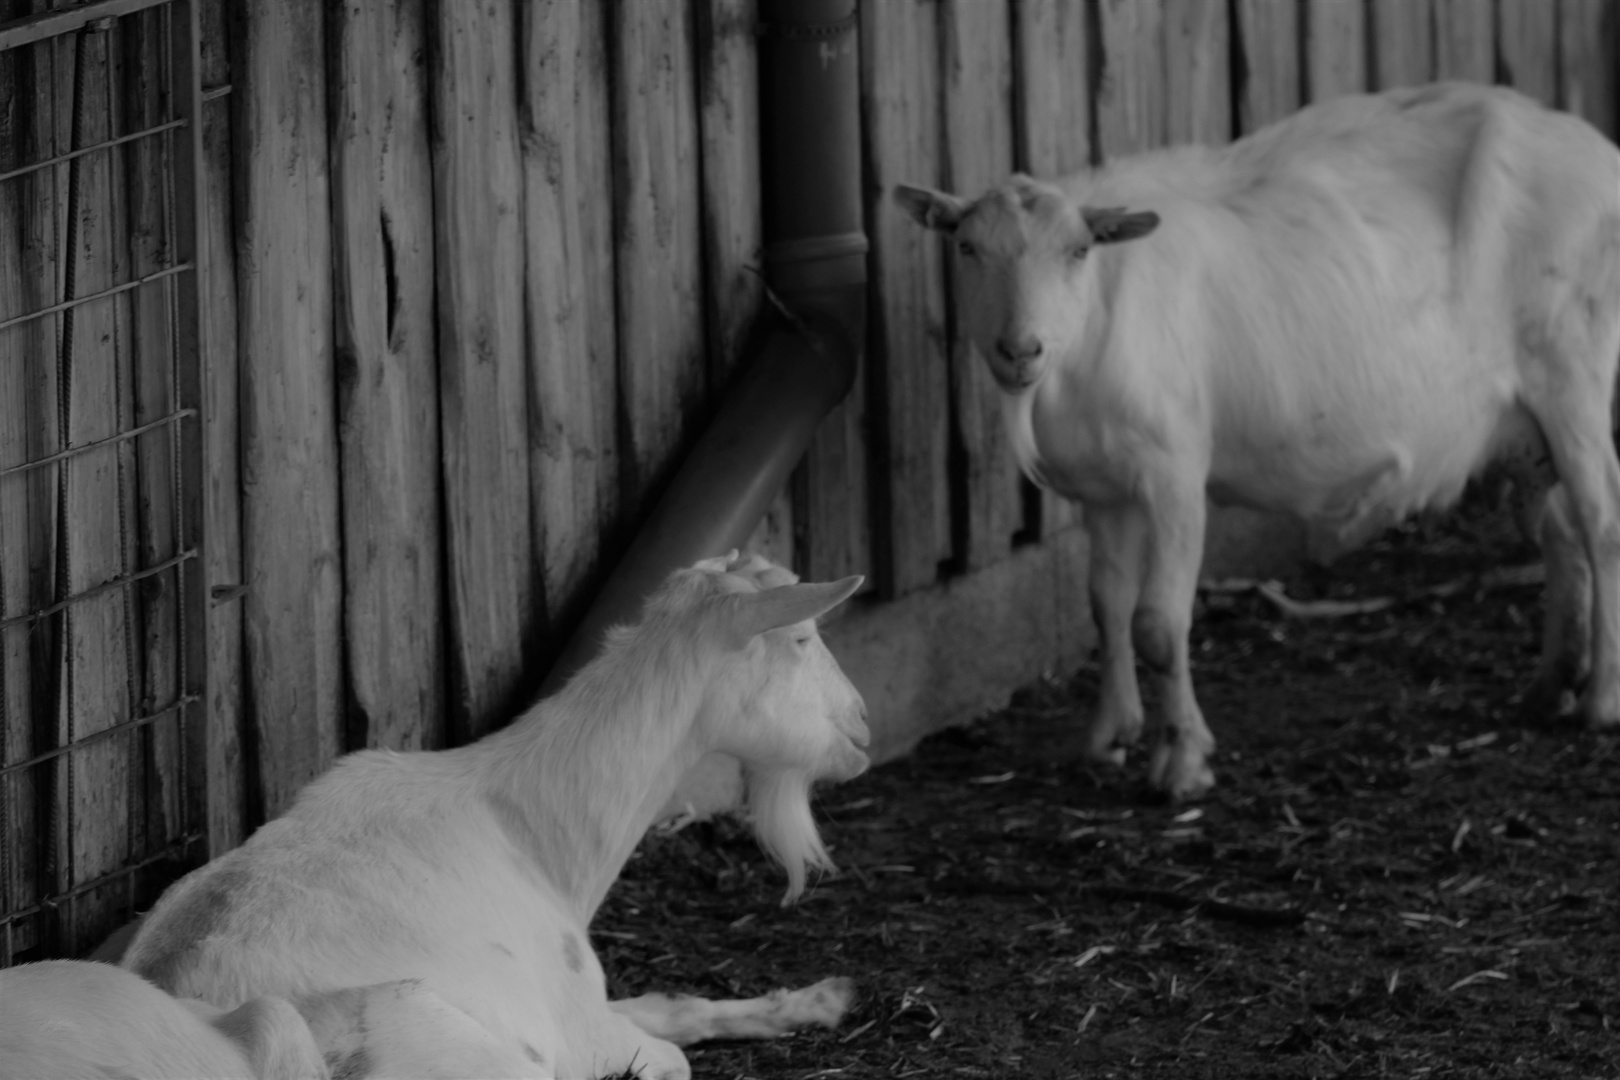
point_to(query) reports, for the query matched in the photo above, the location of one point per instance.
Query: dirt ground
(1395, 876)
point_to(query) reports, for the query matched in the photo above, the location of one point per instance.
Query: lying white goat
(76, 1020)
(477, 870)
(1343, 316)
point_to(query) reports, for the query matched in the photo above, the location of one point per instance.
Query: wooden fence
(477, 271)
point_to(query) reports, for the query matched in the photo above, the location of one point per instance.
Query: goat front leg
(1117, 534)
(684, 1020)
(1160, 628)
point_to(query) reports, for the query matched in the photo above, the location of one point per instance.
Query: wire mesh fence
(101, 605)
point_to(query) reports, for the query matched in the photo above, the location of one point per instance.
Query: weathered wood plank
(1589, 50)
(567, 183)
(1130, 93)
(494, 595)
(142, 101)
(98, 671)
(831, 519)
(987, 503)
(728, 93)
(27, 433)
(1198, 78)
(900, 97)
(226, 764)
(662, 368)
(289, 439)
(387, 375)
(1527, 43)
(1402, 34)
(1465, 46)
(1268, 36)
(1052, 89)
(728, 124)
(1335, 48)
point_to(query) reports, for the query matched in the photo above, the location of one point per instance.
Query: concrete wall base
(949, 654)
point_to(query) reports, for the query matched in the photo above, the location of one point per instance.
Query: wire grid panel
(101, 605)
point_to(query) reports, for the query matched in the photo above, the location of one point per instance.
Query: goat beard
(779, 804)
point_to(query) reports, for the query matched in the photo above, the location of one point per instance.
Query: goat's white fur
(477, 870)
(76, 1020)
(1344, 317)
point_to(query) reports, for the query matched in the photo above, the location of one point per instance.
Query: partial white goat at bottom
(477, 870)
(76, 1020)
(81, 1020)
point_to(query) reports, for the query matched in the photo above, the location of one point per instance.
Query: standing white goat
(1342, 317)
(477, 870)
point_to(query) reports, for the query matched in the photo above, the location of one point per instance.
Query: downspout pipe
(815, 267)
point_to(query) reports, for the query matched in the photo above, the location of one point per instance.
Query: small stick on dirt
(1272, 591)
(1214, 909)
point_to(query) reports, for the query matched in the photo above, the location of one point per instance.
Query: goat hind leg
(1566, 634)
(684, 1020)
(1589, 475)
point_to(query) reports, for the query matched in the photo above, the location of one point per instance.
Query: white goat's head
(775, 697)
(1020, 251)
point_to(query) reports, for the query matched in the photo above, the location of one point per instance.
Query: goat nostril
(1014, 351)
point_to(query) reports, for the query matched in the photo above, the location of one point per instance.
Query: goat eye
(803, 641)
(1078, 252)
(966, 248)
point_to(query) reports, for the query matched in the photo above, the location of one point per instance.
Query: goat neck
(577, 780)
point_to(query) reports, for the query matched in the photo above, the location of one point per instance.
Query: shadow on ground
(1396, 876)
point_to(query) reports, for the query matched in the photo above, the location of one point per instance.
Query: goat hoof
(1601, 712)
(1544, 701)
(1180, 772)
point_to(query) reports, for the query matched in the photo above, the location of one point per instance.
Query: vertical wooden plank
(901, 96)
(1589, 49)
(728, 124)
(1268, 37)
(1527, 42)
(494, 596)
(96, 671)
(27, 432)
(387, 375)
(1052, 88)
(728, 96)
(1465, 41)
(143, 103)
(1130, 92)
(1198, 77)
(289, 439)
(28, 499)
(226, 766)
(832, 515)
(567, 185)
(187, 440)
(1335, 48)
(987, 504)
(1403, 50)
(662, 369)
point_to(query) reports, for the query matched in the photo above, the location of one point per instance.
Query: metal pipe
(815, 266)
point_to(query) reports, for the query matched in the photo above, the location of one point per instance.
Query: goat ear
(1115, 224)
(929, 208)
(752, 614)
